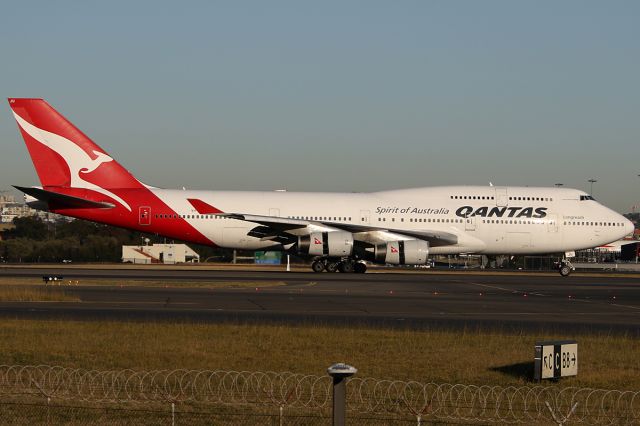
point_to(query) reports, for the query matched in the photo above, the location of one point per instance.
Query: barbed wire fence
(193, 396)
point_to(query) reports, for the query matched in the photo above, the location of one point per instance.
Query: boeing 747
(340, 231)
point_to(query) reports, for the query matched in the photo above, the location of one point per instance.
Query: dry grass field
(35, 294)
(36, 283)
(465, 356)
(440, 356)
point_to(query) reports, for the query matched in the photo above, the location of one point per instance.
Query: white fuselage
(486, 219)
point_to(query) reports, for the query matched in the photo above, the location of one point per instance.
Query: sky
(337, 95)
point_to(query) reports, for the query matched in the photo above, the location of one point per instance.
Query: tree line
(34, 240)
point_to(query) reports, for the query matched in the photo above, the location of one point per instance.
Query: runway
(548, 303)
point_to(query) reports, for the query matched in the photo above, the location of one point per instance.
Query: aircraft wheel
(359, 268)
(565, 270)
(332, 266)
(317, 266)
(346, 267)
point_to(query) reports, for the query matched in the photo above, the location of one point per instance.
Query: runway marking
(257, 304)
(510, 290)
(103, 302)
(451, 315)
(626, 306)
(603, 302)
(298, 285)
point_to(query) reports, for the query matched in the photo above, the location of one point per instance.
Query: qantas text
(410, 210)
(532, 212)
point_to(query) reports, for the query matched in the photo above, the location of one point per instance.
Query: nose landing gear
(565, 267)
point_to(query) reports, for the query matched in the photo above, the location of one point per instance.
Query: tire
(332, 267)
(317, 266)
(565, 270)
(346, 267)
(359, 268)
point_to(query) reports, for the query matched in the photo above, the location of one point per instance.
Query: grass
(37, 282)
(440, 356)
(35, 294)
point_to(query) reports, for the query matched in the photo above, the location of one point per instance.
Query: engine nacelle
(411, 252)
(333, 244)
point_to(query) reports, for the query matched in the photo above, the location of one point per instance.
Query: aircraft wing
(279, 228)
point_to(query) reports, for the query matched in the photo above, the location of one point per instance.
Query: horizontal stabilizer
(63, 201)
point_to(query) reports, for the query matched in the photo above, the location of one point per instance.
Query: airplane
(338, 231)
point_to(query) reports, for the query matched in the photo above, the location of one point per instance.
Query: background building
(11, 209)
(159, 253)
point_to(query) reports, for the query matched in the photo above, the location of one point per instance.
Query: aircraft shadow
(520, 370)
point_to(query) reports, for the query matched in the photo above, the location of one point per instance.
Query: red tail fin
(62, 154)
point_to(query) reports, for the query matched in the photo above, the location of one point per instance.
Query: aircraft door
(502, 199)
(470, 223)
(552, 223)
(274, 212)
(144, 216)
(365, 217)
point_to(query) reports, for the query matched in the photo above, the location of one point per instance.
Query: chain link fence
(57, 395)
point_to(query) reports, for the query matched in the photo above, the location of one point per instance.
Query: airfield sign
(556, 359)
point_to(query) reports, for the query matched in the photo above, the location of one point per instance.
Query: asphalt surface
(507, 302)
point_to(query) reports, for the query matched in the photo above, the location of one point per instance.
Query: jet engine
(332, 244)
(411, 252)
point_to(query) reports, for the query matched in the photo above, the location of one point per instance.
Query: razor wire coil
(444, 401)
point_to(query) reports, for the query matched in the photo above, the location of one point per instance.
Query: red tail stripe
(202, 207)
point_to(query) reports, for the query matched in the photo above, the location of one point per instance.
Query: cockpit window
(586, 197)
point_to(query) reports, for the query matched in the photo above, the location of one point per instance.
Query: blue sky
(337, 96)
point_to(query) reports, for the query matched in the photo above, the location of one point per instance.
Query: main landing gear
(345, 265)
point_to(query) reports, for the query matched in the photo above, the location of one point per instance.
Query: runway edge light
(554, 359)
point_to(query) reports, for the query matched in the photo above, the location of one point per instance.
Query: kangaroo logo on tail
(78, 160)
